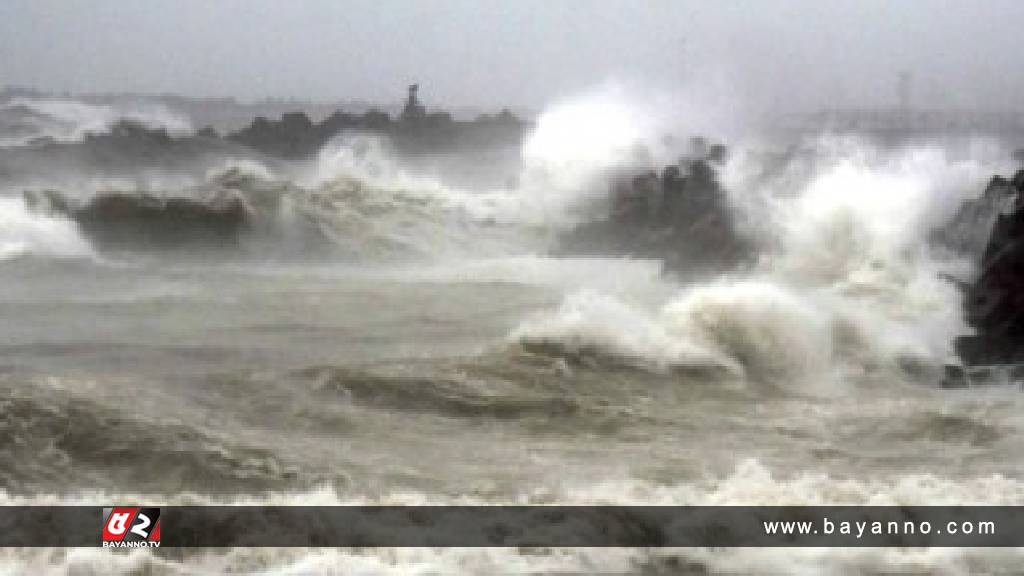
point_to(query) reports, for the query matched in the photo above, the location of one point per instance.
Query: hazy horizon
(768, 56)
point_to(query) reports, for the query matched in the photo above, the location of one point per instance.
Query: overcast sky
(777, 54)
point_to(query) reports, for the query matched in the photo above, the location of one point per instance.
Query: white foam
(566, 159)
(589, 322)
(749, 484)
(577, 140)
(70, 120)
(25, 233)
(848, 284)
(370, 161)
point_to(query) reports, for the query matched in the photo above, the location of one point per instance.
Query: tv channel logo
(125, 527)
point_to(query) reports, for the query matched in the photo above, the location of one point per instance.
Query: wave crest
(23, 232)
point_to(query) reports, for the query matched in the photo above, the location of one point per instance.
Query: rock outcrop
(995, 299)
(679, 216)
(970, 230)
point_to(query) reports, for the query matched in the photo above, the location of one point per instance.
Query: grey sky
(773, 54)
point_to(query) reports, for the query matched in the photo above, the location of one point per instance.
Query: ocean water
(379, 336)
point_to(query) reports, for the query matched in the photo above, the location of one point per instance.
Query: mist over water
(31, 120)
(376, 333)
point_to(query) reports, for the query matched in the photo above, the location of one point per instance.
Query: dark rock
(293, 136)
(994, 301)
(988, 349)
(1018, 180)
(131, 130)
(717, 154)
(680, 217)
(207, 132)
(969, 231)
(954, 377)
(374, 120)
(296, 121)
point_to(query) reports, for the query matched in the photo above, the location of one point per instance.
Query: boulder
(969, 231)
(681, 217)
(994, 301)
(207, 132)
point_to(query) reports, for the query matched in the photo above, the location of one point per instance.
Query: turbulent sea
(380, 336)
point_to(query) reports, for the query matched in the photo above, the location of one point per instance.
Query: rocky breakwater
(414, 132)
(678, 214)
(991, 229)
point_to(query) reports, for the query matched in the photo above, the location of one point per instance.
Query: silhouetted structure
(413, 111)
(415, 132)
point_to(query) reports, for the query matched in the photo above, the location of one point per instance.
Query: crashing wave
(847, 284)
(251, 210)
(752, 331)
(24, 232)
(25, 121)
(143, 220)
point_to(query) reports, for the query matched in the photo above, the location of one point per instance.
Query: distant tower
(413, 111)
